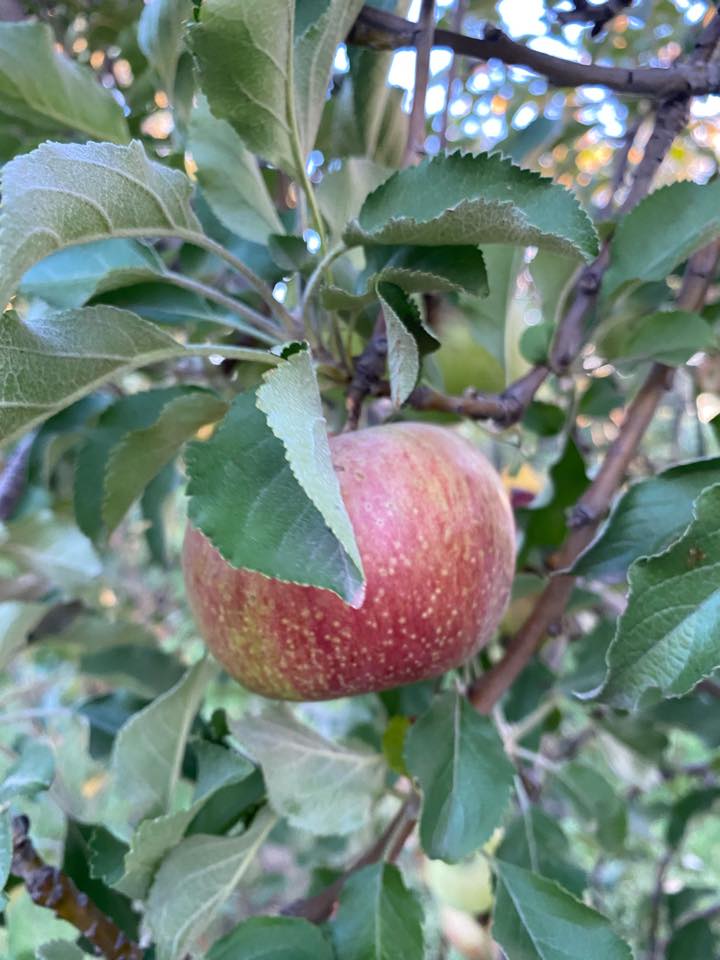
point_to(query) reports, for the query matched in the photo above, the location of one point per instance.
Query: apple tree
(403, 317)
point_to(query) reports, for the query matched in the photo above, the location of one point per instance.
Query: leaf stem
(228, 350)
(314, 279)
(251, 278)
(265, 328)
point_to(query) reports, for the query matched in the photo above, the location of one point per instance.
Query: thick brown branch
(670, 118)
(415, 146)
(504, 408)
(384, 31)
(548, 611)
(388, 846)
(49, 887)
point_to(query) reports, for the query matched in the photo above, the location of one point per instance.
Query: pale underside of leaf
(64, 194)
(46, 364)
(194, 881)
(290, 399)
(316, 784)
(149, 748)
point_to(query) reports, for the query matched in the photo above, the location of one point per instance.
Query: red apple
(436, 536)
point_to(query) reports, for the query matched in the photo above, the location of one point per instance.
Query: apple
(466, 885)
(436, 536)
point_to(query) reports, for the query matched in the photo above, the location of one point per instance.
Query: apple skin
(436, 537)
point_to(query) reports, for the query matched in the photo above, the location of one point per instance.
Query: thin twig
(380, 30)
(423, 41)
(266, 329)
(49, 887)
(670, 118)
(251, 278)
(656, 900)
(546, 615)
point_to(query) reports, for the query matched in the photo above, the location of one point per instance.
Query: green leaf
(152, 508)
(590, 654)
(230, 177)
(68, 193)
(466, 199)
(597, 803)
(166, 304)
(416, 270)
(535, 342)
(61, 950)
(194, 881)
(29, 926)
(692, 804)
(154, 838)
(272, 508)
(407, 337)
(320, 25)
(132, 413)
(662, 231)
(149, 748)
(668, 638)
(492, 317)
(647, 518)
(341, 193)
(546, 525)
(364, 115)
(53, 547)
(553, 278)
(668, 336)
(144, 670)
(694, 939)
(378, 917)
(16, 621)
(32, 772)
(393, 743)
(538, 839)
(466, 779)
(160, 36)
(140, 456)
(68, 355)
(535, 919)
(266, 68)
(318, 785)
(291, 254)
(69, 278)
(272, 938)
(46, 88)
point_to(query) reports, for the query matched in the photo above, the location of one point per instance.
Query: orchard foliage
(226, 232)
